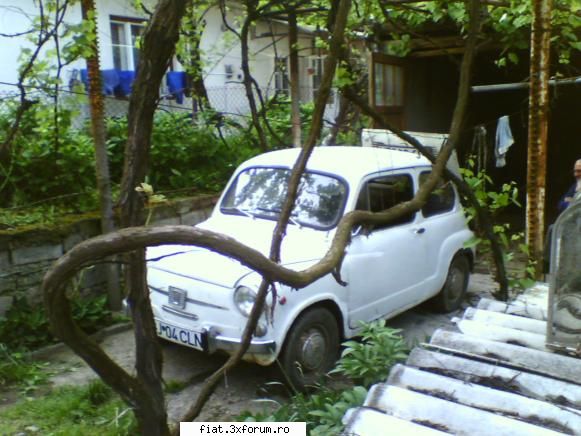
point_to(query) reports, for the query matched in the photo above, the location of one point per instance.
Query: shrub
(46, 161)
(26, 327)
(370, 359)
(367, 361)
(495, 202)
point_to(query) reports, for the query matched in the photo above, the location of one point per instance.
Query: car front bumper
(218, 342)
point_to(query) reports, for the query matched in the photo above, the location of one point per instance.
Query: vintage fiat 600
(202, 299)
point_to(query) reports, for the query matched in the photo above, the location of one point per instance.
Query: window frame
(281, 75)
(317, 66)
(126, 51)
(372, 178)
(395, 113)
(446, 184)
(340, 211)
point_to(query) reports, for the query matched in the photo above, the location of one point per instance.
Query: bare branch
(15, 35)
(44, 35)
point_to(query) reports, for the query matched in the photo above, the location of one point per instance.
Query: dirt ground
(247, 387)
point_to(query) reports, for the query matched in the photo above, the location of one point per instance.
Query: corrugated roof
(493, 376)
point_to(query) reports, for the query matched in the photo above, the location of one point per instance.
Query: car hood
(299, 246)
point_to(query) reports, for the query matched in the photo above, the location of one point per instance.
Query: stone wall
(25, 255)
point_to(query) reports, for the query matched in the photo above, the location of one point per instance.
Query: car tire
(454, 290)
(310, 349)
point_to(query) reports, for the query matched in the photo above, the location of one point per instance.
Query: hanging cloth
(479, 149)
(504, 140)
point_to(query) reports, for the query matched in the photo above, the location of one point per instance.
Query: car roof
(347, 161)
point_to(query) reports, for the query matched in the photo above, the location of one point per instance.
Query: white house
(119, 25)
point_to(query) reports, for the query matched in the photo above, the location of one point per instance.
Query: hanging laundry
(504, 140)
(479, 147)
(176, 82)
(126, 78)
(109, 80)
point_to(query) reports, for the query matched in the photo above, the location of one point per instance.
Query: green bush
(512, 243)
(366, 361)
(52, 165)
(370, 359)
(26, 327)
(322, 411)
(46, 161)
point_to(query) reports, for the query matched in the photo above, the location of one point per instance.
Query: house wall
(120, 8)
(219, 45)
(15, 17)
(430, 94)
(267, 41)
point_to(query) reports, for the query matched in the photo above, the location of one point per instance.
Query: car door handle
(419, 231)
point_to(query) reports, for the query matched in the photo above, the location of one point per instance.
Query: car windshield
(260, 192)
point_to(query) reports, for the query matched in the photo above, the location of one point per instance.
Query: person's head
(577, 169)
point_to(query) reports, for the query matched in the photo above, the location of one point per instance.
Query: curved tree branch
(483, 217)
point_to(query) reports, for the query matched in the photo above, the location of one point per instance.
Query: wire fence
(229, 100)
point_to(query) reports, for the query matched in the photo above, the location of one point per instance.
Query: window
(281, 80)
(441, 199)
(388, 84)
(385, 192)
(228, 71)
(386, 87)
(317, 67)
(124, 35)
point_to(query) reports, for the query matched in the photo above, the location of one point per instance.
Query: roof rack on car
(434, 142)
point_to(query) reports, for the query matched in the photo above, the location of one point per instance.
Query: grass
(17, 370)
(90, 409)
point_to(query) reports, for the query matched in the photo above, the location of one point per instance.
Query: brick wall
(26, 255)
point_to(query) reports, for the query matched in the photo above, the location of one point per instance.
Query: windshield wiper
(239, 211)
(278, 210)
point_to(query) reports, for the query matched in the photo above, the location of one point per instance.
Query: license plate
(181, 336)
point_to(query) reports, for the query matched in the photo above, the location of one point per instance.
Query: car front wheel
(452, 294)
(310, 349)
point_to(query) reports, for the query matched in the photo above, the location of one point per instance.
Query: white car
(202, 300)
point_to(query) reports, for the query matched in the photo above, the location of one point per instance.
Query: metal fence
(229, 100)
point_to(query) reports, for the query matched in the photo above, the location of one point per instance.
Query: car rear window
(441, 199)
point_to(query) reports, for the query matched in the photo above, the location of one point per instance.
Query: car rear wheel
(454, 290)
(310, 349)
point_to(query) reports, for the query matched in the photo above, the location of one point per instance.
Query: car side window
(384, 192)
(441, 199)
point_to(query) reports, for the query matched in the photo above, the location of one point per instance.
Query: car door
(385, 265)
(440, 218)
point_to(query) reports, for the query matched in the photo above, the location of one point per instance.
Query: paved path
(243, 388)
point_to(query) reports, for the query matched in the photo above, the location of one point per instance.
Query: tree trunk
(538, 124)
(158, 45)
(294, 79)
(101, 160)
(244, 51)
(198, 89)
(340, 119)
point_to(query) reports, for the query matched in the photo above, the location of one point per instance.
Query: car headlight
(244, 299)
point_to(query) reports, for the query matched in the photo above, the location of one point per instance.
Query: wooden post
(97, 105)
(537, 131)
